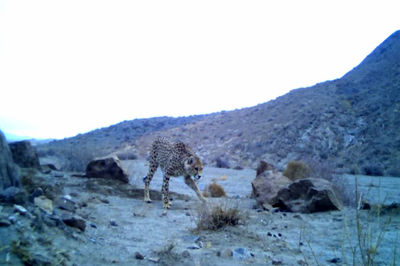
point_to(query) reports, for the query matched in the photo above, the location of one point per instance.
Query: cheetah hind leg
(165, 193)
(146, 190)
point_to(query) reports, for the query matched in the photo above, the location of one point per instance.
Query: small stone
(93, 225)
(138, 256)
(241, 254)
(227, 253)
(191, 238)
(36, 193)
(106, 201)
(65, 204)
(154, 259)
(113, 223)
(74, 222)
(194, 246)
(186, 254)
(335, 260)
(269, 234)
(4, 223)
(276, 262)
(21, 210)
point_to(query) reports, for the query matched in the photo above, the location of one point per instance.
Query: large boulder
(107, 167)
(308, 195)
(24, 154)
(9, 172)
(10, 184)
(267, 185)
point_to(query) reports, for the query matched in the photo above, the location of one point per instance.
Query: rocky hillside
(352, 123)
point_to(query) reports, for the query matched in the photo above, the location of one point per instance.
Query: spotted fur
(174, 159)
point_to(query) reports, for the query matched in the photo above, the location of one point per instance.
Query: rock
(20, 209)
(36, 193)
(24, 154)
(74, 221)
(266, 186)
(15, 195)
(241, 254)
(44, 204)
(226, 253)
(154, 259)
(186, 254)
(9, 171)
(113, 223)
(264, 166)
(47, 168)
(138, 256)
(107, 167)
(191, 238)
(65, 204)
(4, 222)
(307, 196)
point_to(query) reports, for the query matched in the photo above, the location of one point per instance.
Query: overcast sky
(68, 67)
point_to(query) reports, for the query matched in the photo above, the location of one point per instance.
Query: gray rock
(15, 195)
(107, 167)
(241, 254)
(138, 256)
(20, 209)
(24, 154)
(226, 253)
(266, 186)
(186, 254)
(65, 204)
(74, 221)
(191, 238)
(308, 195)
(9, 171)
(193, 246)
(4, 222)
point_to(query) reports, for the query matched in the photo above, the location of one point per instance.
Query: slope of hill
(352, 122)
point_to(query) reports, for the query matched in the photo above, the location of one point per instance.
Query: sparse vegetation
(297, 170)
(216, 216)
(214, 190)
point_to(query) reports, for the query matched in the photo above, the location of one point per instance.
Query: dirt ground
(121, 229)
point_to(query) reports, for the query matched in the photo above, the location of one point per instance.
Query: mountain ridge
(350, 123)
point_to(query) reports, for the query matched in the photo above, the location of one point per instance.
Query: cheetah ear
(190, 160)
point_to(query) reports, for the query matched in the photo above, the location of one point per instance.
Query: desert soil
(120, 226)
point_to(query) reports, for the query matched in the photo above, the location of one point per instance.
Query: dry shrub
(264, 166)
(297, 170)
(216, 216)
(214, 190)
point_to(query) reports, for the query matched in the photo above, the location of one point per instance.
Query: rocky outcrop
(24, 154)
(107, 167)
(9, 173)
(267, 185)
(307, 196)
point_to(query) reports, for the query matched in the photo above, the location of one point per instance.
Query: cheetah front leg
(165, 192)
(190, 182)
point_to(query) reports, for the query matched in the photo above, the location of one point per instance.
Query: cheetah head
(194, 167)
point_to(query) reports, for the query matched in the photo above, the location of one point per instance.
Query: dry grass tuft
(297, 170)
(214, 190)
(217, 216)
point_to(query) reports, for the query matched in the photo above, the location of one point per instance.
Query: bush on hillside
(297, 170)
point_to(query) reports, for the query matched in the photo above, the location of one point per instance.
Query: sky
(68, 67)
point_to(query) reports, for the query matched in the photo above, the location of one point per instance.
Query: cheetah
(174, 159)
